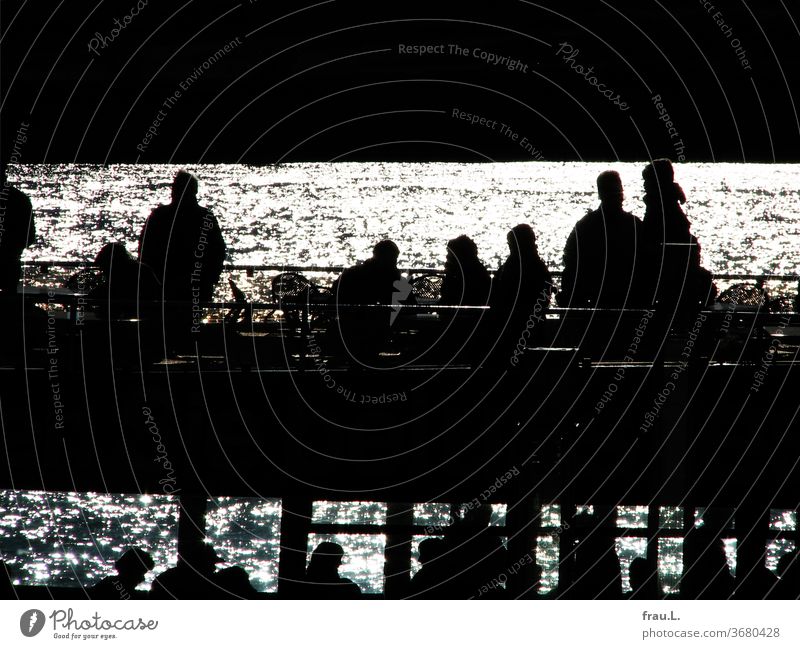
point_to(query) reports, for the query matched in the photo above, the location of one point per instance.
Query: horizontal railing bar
(415, 271)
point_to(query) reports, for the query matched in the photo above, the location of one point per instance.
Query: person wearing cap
(601, 252)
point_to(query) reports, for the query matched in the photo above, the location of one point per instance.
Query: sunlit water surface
(746, 216)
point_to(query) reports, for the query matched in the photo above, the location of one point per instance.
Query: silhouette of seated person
(675, 280)
(234, 583)
(705, 568)
(430, 581)
(466, 281)
(476, 560)
(788, 570)
(375, 281)
(17, 232)
(128, 288)
(322, 580)
(183, 245)
(595, 569)
(193, 577)
(131, 568)
(643, 574)
(600, 254)
(521, 290)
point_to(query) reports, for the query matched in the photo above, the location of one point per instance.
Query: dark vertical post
(295, 525)
(523, 522)
(397, 569)
(191, 520)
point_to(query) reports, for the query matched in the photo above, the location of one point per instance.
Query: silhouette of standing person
(600, 254)
(17, 232)
(183, 245)
(676, 281)
(322, 580)
(521, 290)
(131, 567)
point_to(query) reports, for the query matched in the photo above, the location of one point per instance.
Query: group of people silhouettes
(468, 561)
(612, 259)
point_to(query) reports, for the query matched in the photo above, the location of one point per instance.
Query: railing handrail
(410, 270)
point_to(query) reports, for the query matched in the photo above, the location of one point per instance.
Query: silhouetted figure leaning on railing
(183, 245)
(601, 252)
(17, 232)
(377, 281)
(674, 279)
(322, 580)
(521, 293)
(132, 567)
(128, 289)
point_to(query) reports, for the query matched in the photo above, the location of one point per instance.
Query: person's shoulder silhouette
(234, 583)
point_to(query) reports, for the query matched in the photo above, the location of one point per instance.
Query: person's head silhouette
(659, 177)
(609, 190)
(325, 561)
(202, 558)
(386, 253)
(431, 549)
(184, 188)
(461, 250)
(522, 240)
(112, 255)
